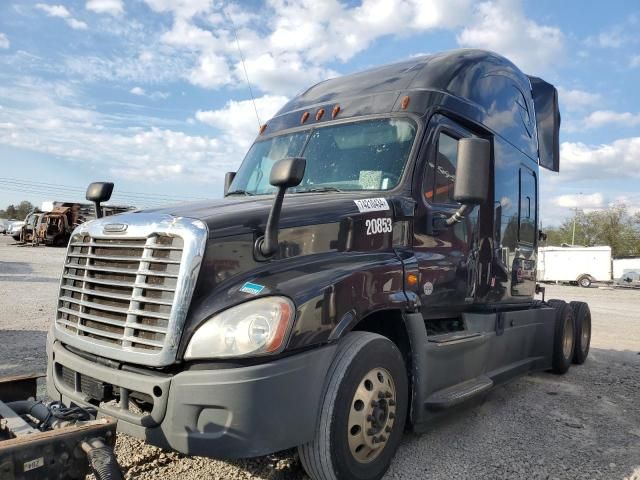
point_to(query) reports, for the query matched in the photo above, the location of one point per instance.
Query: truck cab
(371, 265)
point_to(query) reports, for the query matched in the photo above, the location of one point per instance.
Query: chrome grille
(126, 295)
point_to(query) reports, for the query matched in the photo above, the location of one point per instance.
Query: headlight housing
(256, 327)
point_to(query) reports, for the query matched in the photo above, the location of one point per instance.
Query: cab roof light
(405, 102)
(335, 111)
(319, 114)
(305, 117)
(262, 129)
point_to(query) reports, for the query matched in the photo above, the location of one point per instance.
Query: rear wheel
(362, 413)
(584, 281)
(564, 337)
(582, 316)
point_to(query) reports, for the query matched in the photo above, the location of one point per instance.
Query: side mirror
(287, 172)
(98, 192)
(472, 171)
(228, 178)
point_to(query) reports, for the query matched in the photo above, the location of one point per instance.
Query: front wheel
(564, 336)
(362, 413)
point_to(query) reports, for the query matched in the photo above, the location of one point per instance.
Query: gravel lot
(583, 425)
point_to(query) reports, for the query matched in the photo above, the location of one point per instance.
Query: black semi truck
(371, 266)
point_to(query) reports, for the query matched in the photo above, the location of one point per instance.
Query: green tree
(613, 226)
(18, 212)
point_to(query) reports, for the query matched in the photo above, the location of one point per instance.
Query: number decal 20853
(378, 225)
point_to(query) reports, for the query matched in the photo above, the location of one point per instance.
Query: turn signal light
(412, 279)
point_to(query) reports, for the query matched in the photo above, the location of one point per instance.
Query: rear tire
(363, 411)
(582, 315)
(584, 281)
(564, 337)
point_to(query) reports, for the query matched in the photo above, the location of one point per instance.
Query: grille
(120, 292)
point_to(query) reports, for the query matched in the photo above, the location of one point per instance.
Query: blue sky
(151, 94)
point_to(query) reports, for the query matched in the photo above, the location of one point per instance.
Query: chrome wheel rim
(567, 345)
(372, 415)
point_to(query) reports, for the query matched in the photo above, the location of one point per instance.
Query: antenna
(246, 75)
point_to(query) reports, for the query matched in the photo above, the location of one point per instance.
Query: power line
(122, 193)
(75, 187)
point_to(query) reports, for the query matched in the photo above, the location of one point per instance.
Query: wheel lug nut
(392, 403)
(392, 415)
(382, 438)
(369, 418)
(370, 431)
(374, 403)
(380, 395)
(388, 429)
(374, 440)
(387, 394)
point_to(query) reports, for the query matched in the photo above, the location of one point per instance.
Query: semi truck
(370, 268)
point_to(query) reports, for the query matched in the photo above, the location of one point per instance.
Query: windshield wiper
(240, 192)
(318, 189)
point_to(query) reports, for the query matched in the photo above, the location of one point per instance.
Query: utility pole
(573, 235)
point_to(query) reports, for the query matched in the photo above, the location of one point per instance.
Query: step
(451, 396)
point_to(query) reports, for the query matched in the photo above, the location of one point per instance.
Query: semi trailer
(370, 268)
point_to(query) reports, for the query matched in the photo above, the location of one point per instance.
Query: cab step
(452, 396)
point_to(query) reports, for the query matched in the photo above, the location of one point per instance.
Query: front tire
(363, 411)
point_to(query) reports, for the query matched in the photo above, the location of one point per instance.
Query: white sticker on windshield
(372, 204)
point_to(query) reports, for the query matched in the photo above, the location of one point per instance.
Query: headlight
(257, 327)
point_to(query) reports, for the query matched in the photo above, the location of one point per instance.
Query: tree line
(614, 226)
(18, 212)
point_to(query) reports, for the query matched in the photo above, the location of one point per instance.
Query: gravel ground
(583, 425)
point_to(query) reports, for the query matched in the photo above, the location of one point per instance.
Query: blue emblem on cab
(252, 288)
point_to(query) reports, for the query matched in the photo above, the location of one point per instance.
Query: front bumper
(222, 413)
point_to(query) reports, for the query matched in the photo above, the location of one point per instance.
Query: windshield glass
(367, 155)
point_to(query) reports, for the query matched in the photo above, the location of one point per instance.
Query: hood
(236, 214)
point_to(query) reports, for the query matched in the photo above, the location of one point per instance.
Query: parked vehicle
(624, 265)
(15, 229)
(371, 265)
(28, 232)
(576, 265)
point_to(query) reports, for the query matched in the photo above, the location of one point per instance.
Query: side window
(441, 174)
(527, 230)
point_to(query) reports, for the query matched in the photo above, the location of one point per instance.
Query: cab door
(447, 257)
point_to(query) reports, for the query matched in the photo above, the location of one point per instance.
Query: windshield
(367, 155)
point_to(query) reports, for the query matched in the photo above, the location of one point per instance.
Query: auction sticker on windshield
(372, 204)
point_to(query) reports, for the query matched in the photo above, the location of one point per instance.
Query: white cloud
(76, 24)
(238, 119)
(501, 26)
(137, 91)
(616, 160)
(4, 41)
(136, 151)
(60, 11)
(634, 61)
(182, 8)
(141, 92)
(575, 99)
(211, 72)
(593, 200)
(607, 117)
(111, 7)
(54, 10)
(613, 39)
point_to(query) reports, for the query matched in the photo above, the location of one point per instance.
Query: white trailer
(624, 265)
(581, 265)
